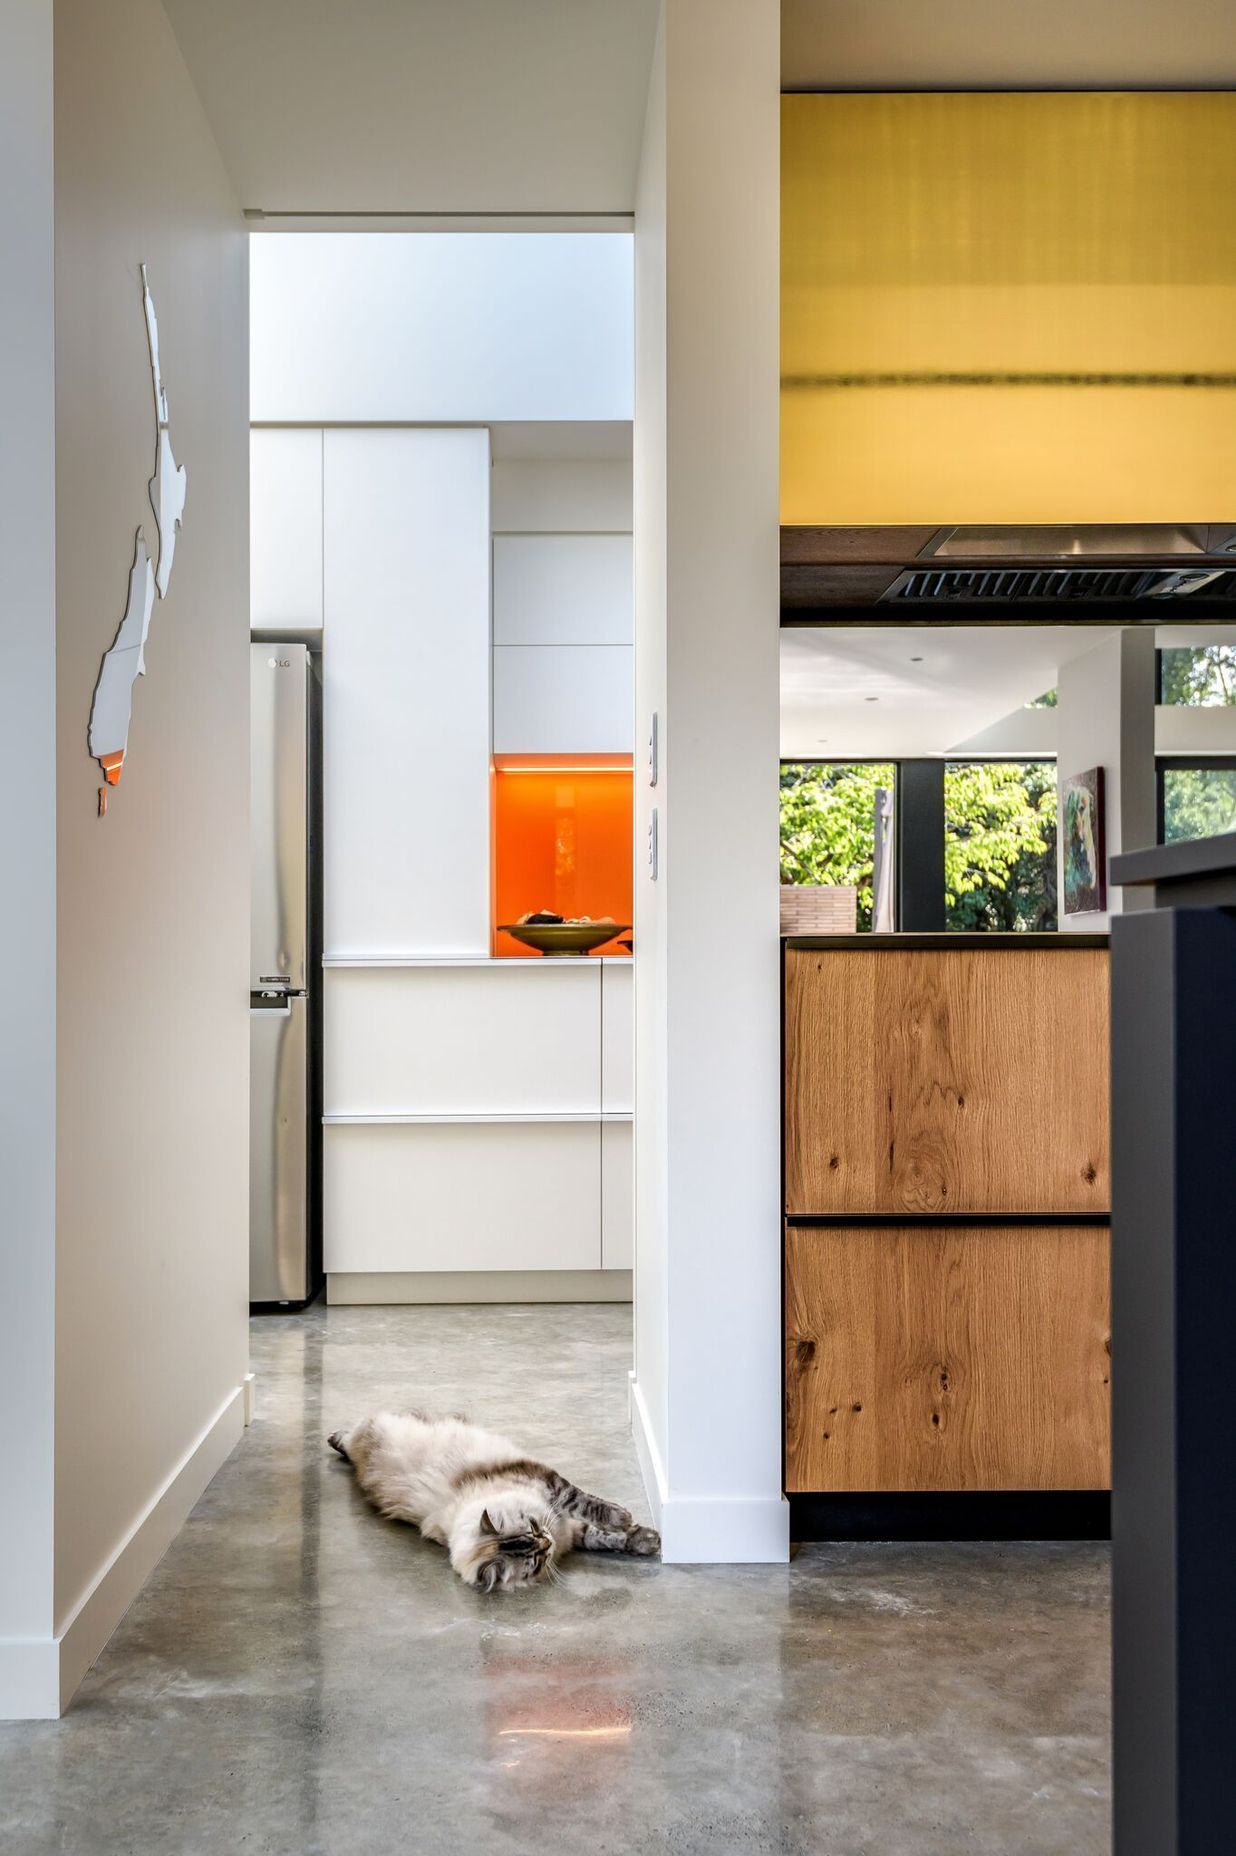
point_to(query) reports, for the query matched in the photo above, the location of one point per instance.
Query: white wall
(151, 942)
(28, 1679)
(539, 495)
(707, 1393)
(430, 328)
(1105, 717)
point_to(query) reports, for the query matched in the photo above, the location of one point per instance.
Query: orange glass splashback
(562, 840)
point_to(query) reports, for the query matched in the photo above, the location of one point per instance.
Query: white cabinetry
(563, 699)
(617, 1098)
(562, 589)
(477, 1118)
(406, 692)
(451, 1197)
(618, 1038)
(285, 528)
(617, 1195)
(478, 1111)
(562, 644)
(503, 1037)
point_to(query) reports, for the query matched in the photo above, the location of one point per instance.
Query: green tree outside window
(1000, 844)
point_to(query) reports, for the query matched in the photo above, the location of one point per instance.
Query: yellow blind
(1008, 308)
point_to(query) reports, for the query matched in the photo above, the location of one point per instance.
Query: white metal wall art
(112, 707)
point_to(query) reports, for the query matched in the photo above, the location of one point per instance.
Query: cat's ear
(487, 1526)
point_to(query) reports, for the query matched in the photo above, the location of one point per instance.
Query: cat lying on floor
(504, 1519)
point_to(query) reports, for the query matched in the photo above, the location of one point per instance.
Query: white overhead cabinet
(562, 589)
(285, 527)
(563, 699)
(563, 658)
(406, 699)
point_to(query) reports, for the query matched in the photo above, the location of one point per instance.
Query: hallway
(300, 1678)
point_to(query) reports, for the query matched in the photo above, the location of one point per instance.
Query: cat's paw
(644, 1541)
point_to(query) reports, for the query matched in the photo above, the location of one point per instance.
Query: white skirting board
(707, 1531)
(39, 1678)
(351, 1288)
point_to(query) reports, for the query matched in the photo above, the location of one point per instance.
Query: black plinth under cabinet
(1173, 1337)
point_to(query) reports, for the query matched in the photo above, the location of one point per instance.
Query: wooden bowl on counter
(559, 939)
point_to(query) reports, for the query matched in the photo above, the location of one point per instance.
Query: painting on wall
(1085, 862)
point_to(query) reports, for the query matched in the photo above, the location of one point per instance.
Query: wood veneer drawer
(932, 1356)
(947, 1081)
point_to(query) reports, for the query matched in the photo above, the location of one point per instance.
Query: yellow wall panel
(1008, 308)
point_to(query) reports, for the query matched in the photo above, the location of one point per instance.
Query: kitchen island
(947, 1197)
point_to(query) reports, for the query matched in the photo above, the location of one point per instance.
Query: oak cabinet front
(946, 1080)
(925, 1356)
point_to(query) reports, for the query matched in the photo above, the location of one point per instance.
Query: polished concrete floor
(300, 1678)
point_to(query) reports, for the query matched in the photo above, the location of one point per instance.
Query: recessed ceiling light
(873, 699)
(916, 660)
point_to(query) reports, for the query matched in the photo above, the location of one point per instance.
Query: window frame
(1182, 763)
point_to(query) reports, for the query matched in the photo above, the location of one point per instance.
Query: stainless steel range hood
(1089, 541)
(1125, 571)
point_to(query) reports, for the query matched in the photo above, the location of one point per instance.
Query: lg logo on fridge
(279, 663)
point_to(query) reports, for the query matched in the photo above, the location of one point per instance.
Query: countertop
(947, 942)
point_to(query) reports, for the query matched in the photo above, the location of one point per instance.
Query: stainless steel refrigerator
(285, 1167)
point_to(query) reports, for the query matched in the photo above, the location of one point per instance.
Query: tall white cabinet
(405, 692)
(477, 1139)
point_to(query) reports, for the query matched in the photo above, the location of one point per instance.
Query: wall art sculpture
(112, 706)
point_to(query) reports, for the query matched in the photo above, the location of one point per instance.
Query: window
(1197, 799)
(828, 823)
(1000, 845)
(999, 852)
(1199, 676)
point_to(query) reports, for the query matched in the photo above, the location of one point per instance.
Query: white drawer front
(617, 1196)
(508, 1038)
(563, 699)
(503, 1196)
(562, 589)
(617, 1037)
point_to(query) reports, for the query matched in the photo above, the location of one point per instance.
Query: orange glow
(566, 1733)
(562, 841)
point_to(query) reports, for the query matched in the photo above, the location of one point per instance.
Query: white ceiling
(443, 106)
(1006, 44)
(858, 692)
(883, 691)
(534, 107)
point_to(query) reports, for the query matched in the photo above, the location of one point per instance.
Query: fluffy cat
(504, 1519)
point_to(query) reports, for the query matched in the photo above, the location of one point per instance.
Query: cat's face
(515, 1550)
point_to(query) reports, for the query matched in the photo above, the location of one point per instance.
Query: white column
(1105, 717)
(29, 1672)
(707, 1387)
